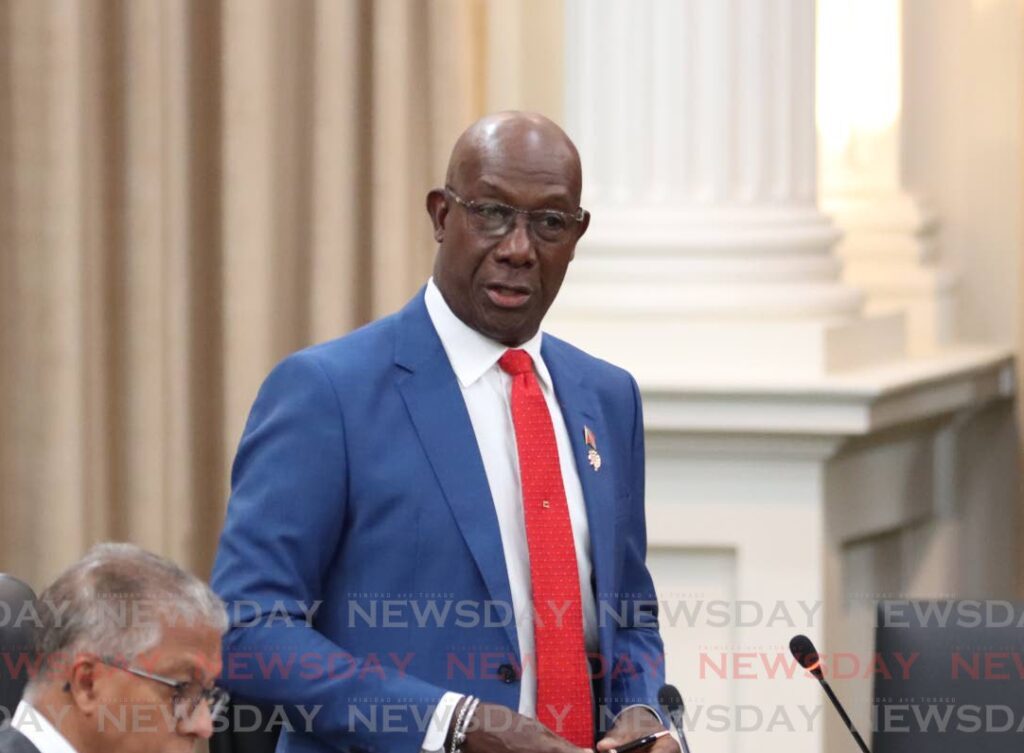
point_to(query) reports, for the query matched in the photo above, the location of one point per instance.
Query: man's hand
(632, 724)
(499, 729)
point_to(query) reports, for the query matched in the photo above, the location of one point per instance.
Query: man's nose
(517, 245)
(199, 722)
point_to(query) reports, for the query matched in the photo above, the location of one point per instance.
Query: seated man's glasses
(494, 219)
(187, 694)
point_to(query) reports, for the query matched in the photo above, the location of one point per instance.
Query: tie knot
(516, 362)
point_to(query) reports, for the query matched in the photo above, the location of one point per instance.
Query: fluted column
(695, 122)
(889, 242)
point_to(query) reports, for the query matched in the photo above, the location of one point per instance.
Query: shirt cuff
(440, 721)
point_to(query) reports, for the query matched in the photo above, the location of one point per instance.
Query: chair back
(953, 679)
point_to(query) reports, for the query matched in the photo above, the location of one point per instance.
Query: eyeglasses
(495, 219)
(187, 694)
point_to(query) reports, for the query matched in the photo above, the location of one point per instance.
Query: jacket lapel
(581, 408)
(438, 411)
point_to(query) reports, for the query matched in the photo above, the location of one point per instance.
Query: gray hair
(115, 602)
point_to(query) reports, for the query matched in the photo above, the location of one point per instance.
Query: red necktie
(563, 681)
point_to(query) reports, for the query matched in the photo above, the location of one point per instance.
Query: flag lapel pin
(592, 455)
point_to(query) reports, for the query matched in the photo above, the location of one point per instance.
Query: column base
(659, 350)
(926, 295)
(889, 252)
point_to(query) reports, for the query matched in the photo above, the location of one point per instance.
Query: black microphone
(807, 656)
(672, 702)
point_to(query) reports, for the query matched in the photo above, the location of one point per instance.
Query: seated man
(128, 649)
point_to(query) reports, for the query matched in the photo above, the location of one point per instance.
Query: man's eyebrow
(555, 197)
(185, 668)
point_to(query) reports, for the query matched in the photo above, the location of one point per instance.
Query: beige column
(889, 244)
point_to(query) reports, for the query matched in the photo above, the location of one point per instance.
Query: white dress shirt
(37, 728)
(485, 388)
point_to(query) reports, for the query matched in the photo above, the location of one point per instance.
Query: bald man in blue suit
(370, 557)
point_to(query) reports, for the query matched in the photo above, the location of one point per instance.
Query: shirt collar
(37, 728)
(471, 353)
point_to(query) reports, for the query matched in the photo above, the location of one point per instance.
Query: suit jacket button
(506, 673)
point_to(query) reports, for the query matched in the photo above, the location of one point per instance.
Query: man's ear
(584, 224)
(437, 208)
(81, 683)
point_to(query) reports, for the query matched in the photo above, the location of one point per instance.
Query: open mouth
(508, 296)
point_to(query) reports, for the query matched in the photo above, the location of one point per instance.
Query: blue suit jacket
(358, 484)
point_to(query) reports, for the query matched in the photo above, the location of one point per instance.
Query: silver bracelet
(468, 720)
(461, 722)
(469, 716)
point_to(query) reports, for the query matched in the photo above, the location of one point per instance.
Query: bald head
(516, 138)
(507, 223)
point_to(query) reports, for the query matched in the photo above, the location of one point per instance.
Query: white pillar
(695, 122)
(889, 235)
